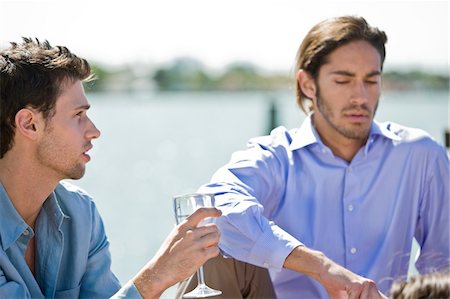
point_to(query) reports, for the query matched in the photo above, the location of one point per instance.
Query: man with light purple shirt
(331, 208)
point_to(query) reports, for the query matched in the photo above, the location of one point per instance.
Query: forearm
(150, 282)
(307, 261)
(186, 248)
(338, 281)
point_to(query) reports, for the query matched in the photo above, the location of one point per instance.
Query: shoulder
(274, 147)
(72, 198)
(408, 135)
(67, 189)
(279, 137)
(412, 138)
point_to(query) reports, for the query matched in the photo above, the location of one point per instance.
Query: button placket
(350, 199)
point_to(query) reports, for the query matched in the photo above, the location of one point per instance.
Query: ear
(27, 123)
(307, 84)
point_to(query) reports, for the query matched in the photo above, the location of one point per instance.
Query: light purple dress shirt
(288, 189)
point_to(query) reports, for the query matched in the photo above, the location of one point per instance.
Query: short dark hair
(428, 286)
(31, 75)
(327, 36)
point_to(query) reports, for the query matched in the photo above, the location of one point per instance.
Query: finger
(206, 236)
(353, 294)
(355, 291)
(211, 252)
(366, 291)
(195, 218)
(338, 295)
(210, 240)
(207, 229)
(370, 290)
(199, 236)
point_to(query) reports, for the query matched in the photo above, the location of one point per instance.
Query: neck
(26, 186)
(344, 149)
(341, 146)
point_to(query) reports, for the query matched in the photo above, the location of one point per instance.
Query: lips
(85, 155)
(357, 116)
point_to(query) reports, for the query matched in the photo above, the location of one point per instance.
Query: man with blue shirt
(331, 208)
(52, 240)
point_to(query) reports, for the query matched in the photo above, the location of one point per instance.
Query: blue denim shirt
(72, 250)
(289, 189)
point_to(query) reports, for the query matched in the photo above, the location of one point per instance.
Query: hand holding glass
(184, 206)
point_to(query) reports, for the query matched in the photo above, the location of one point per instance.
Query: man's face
(67, 136)
(347, 91)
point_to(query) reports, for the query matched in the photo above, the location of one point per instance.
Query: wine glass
(184, 206)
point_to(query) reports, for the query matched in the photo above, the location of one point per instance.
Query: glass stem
(200, 276)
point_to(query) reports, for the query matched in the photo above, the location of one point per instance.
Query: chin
(77, 173)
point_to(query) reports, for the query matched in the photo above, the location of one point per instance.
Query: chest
(30, 255)
(362, 201)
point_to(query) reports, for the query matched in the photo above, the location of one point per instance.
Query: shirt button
(349, 169)
(26, 232)
(266, 265)
(350, 208)
(353, 250)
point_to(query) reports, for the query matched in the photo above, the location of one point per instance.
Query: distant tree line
(190, 75)
(415, 79)
(187, 74)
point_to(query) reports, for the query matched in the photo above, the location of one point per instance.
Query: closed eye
(372, 81)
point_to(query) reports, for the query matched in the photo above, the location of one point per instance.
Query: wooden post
(273, 116)
(447, 138)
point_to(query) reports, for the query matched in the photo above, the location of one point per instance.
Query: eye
(341, 81)
(79, 114)
(372, 82)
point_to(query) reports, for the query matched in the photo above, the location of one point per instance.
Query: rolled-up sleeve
(253, 179)
(128, 291)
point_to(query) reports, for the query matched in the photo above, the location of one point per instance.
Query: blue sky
(218, 32)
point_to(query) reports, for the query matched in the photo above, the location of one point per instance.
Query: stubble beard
(358, 132)
(56, 157)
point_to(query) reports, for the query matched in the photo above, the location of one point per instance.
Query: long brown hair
(328, 35)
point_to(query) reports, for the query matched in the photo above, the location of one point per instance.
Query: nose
(359, 94)
(92, 132)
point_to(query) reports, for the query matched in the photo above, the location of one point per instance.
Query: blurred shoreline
(188, 74)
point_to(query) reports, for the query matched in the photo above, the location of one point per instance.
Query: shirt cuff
(128, 291)
(273, 256)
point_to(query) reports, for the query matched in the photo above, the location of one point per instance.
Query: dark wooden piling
(273, 121)
(447, 138)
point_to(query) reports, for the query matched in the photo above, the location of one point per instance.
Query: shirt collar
(12, 225)
(307, 134)
(384, 129)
